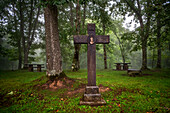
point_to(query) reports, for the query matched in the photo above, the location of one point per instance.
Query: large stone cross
(91, 95)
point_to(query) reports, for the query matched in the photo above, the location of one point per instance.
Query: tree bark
(76, 62)
(31, 32)
(153, 59)
(104, 50)
(53, 52)
(71, 15)
(84, 16)
(144, 39)
(144, 35)
(121, 47)
(21, 34)
(18, 38)
(31, 37)
(158, 42)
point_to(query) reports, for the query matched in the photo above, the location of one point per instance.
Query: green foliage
(101, 12)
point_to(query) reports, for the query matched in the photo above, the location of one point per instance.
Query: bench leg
(39, 68)
(30, 69)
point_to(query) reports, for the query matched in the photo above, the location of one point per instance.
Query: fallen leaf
(118, 105)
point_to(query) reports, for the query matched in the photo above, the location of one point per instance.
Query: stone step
(92, 90)
(92, 97)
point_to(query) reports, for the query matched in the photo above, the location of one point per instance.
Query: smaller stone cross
(91, 96)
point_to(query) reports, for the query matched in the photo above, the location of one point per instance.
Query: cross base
(92, 96)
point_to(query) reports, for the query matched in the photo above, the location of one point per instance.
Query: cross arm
(102, 39)
(80, 39)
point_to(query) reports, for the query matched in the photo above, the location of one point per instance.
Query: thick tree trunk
(53, 52)
(158, 42)
(76, 62)
(144, 44)
(144, 41)
(144, 54)
(145, 36)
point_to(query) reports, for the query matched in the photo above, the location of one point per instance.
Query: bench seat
(134, 72)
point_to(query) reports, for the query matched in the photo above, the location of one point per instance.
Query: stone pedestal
(92, 96)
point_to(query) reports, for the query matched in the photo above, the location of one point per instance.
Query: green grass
(143, 94)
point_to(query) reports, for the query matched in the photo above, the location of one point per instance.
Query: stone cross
(91, 95)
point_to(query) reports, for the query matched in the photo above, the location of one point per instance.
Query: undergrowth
(19, 92)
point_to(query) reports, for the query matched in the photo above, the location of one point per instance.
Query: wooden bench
(134, 72)
(32, 66)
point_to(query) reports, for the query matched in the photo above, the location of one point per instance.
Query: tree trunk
(105, 56)
(104, 50)
(29, 33)
(20, 54)
(121, 47)
(158, 42)
(31, 37)
(144, 44)
(71, 15)
(76, 62)
(18, 38)
(144, 54)
(153, 59)
(143, 35)
(84, 16)
(53, 52)
(21, 34)
(144, 40)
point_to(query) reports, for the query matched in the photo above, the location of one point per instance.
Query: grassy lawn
(146, 94)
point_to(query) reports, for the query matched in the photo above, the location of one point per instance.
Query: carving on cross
(91, 40)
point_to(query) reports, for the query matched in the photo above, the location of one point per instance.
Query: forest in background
(22, 32)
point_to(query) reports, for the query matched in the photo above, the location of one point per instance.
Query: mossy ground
(20, 91)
